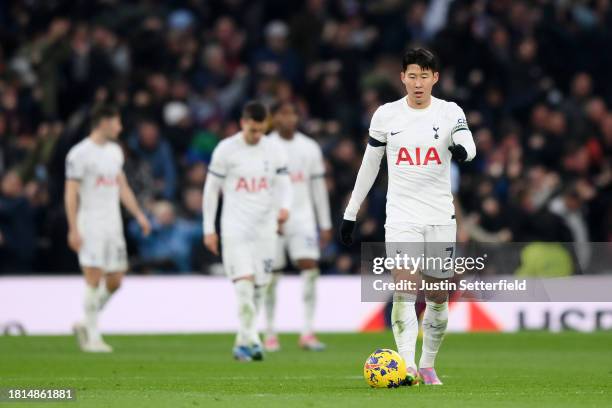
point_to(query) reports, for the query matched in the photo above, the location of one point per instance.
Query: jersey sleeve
(218, 162)
(284, 190)
(317, 165)
(457, 120)
(75, 165)
(378, 126)
(120, 155)
(460, 132)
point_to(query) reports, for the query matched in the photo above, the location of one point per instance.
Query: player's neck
(249, 142)
(97, 137)
(414, 105)
(286, 135)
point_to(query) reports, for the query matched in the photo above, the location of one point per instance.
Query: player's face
(252, 130)
(286, 119)
(111, 127)
(418, 83)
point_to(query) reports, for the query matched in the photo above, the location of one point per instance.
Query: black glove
(458, 152)
(347, 228)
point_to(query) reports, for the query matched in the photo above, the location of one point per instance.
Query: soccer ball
(384, 369)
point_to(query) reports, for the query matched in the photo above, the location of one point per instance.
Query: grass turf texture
(479, 370)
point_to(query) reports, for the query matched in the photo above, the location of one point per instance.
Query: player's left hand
(283, 216)
(347, 229)
(325, 237)
(144, 223)
(458, 152)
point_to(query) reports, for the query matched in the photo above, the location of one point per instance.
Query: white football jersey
(418, 159)
(249, 173)
(97, 167)
(305, 164)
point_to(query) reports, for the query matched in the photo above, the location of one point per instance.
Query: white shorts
(242, 258)
(104, 250)
(303, 245)
(428, 241)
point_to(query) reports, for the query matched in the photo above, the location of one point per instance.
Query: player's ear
(436, 76)
(403, 77)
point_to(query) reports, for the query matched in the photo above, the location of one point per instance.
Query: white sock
(270, 303)
(435, 320)
(103, 295)
(245, 295)
(309, 296)
(405, 326)
(91, 312)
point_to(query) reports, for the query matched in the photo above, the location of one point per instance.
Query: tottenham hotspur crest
(435, 129)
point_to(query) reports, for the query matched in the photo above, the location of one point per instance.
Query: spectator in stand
(17, 226)
(149, 146)
(169, 246)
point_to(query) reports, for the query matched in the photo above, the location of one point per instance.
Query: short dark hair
(276, 106)
(255, 110)
(422, 57)
(100, 112)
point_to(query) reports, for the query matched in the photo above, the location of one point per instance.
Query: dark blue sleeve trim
(375, 143)
(216, 174)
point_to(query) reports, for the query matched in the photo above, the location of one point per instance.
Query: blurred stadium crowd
(532, 76)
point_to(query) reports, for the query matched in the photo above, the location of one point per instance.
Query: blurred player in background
(95, 187)
(299, 235)
(251, 171)
(420, 134)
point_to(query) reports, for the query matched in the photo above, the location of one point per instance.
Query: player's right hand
(74, 240)
(347, 229)
(211, 242)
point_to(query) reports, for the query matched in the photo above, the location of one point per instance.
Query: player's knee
(113, 286)
(113, 282)
(436, 296)
(304, 264)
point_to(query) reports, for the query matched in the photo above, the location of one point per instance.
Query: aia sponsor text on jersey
(107, 181)
(418, 156)
(252, 185)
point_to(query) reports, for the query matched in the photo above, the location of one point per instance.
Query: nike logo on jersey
(417, 158)
(395, 133)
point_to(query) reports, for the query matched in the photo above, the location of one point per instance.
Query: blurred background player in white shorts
(299, 238)
(95, 187)
(251, 171)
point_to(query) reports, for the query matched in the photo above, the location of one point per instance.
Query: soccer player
(299, 234)
(95, 186)
(419, 134)
(251, 170)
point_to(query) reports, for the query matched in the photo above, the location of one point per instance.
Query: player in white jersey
(299, 234)
(419, 134)
(95, 187)
(251, 171)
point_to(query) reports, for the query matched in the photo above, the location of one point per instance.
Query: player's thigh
(304, 249)
(440, 250)
(280, 254)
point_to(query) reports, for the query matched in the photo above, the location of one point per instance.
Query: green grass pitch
(479, 370)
